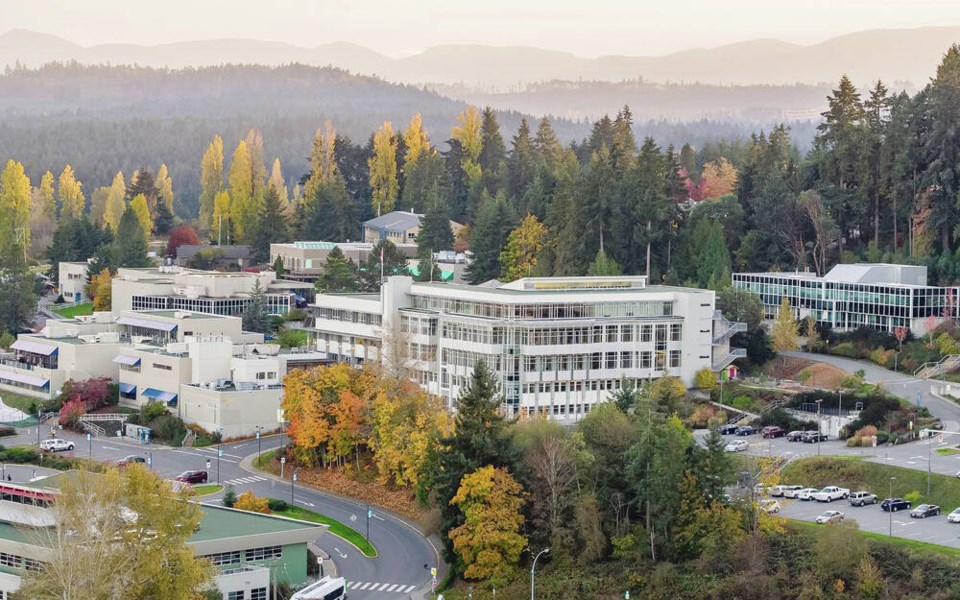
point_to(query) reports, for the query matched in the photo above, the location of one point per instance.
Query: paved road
(907, 387)
(405, 556)
(933, 530)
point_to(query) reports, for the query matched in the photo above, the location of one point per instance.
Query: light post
(532, 573)
(38, 425)
(890, 506)
(90, 449)
(293, 484)
(219, 453)
(369, 514)
(819, 426)
(258, 444)
(929, 443)
(150, 461)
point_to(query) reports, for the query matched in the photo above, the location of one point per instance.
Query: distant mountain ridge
(893, 55)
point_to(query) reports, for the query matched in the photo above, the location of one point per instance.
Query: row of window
(566, 363)
(255, 594)
(553, 336)
(220, 559)
(18, 562)
(275, 304)
(558, 310)
(347, 316)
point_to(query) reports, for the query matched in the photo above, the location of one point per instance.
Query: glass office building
(881, 296)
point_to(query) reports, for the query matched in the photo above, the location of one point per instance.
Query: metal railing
(93, 428)
(729, 357)
(936, 368)
(724, 328)
(106, 417)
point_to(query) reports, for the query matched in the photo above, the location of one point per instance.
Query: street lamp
(219, 452)
(890, 505)
(819, 426)
(258, 444)
(293, 483)
(532, 574)
(929, 443)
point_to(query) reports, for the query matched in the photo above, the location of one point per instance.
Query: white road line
(366, 585)
(407, 590)
(376, 516)
(383, 587)
(393, 587)
(109, 448)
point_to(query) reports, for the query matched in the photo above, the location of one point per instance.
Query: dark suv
(746, 430)
(772, 431)
(895, 504)
(728, 428)
(192, 477)
(812, 437)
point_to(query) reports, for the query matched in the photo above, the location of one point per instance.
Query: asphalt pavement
(405, 557)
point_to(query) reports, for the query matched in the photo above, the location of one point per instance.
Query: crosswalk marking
(241, 480)
(396, 588)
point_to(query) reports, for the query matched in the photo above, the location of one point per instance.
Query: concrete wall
(238, 412)
(243, 580)
(210, 359)
(73, 278)
(152, 375)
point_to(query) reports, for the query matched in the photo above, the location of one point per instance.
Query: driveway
(911, 389)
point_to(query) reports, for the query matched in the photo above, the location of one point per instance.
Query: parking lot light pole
(890, 506)
(219, 454)
(258, 444)
(293, 484)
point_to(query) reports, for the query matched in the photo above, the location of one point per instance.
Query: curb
(246, 464)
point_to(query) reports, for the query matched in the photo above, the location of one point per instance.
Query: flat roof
(171, 313)
(223, 523)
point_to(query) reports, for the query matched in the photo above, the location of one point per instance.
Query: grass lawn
(206, 490)
(863, 475)
(76, 310)
(24, 403)
(922, 548)
(265, 460)
(336, 528)
(947, 451)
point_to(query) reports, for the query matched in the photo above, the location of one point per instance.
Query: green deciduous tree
(522, 250)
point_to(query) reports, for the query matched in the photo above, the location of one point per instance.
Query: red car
(772, 431)
(192, 477)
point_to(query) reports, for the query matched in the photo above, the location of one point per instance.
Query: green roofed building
(251, 551)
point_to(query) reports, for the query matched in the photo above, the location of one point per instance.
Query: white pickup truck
(831, 493)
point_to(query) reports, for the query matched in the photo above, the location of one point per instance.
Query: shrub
(248, 501)
(702, 414)
(867, 431)
(846, 349)
(71, 412)
(6, 430)
(151, 411)
(913, 497)
(706, 380)
(20, 455)
(169, 429)
(277, 505)
(230, 497)
(744, 403)
(884, 358)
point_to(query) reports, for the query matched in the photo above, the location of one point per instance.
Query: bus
(326, 588)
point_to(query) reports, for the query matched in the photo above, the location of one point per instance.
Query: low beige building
(72, 277)
(305, 260)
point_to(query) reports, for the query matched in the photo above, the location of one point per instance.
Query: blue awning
(127, 388)
(160, 395)
(126, 359)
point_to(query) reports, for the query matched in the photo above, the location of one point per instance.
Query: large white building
(881, 296)
(216, 292)
(557, 345)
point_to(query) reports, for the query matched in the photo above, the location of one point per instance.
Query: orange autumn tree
(321, 406)
(719, 178)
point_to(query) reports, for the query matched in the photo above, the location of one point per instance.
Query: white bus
(326, 588)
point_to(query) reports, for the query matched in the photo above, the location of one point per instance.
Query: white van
(326, 588)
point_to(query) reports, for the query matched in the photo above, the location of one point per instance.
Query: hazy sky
(398, 27)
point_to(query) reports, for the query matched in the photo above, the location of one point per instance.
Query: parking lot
(933, 530)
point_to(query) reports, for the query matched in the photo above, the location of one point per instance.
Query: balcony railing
(728, 358)
(724, 328)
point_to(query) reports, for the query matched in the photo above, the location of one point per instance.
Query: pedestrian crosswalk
(242, 480)
(396, 588)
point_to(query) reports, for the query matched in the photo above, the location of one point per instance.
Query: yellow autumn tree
(46, 197)
(220, 224)
(489, 542)
(211, 179)
(467, 132)
(719, 178)
(415, 141)
(277, 184)
(116, 204)
(165, 187)
(142, 210)
(72, 200)
(16, 199)
(383, 169)
(519, 256)
(100, 289)
(406, 425)
(241, 191)
(248, 501)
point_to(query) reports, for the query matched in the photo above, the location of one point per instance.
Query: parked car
(779, 491)
(861, 498)
(811, 437)
(192, 477)
(728, 429)
(831, 493)
(737, 446)
(772, 431)
(131, 459)
(895, 504)
(746, 430)
(925, 510)
(806, 493)
(794, 436)
(770, 506)
(830, 516)
(56, 445)
(954, 516)
(791, 491)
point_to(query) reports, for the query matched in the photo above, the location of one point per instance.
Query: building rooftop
(229, 252)
(863, 273)
(397, 220)
(223, 523)
(179, 314)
